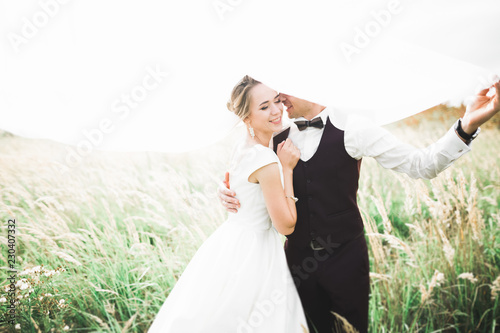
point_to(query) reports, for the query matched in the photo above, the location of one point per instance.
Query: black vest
(326, 186)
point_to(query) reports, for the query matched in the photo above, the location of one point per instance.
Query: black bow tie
(303, 124)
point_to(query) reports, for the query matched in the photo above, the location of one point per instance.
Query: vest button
(305, 165)
(310, 197)
(309, 181)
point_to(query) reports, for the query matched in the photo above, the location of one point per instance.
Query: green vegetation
(124, 226)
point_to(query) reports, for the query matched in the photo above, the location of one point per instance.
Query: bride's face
(266, 109)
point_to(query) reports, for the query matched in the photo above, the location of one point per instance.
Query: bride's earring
(252, 133)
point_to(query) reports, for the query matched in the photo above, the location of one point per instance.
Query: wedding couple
(241, 280)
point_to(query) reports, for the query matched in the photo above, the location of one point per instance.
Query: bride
(239, 281)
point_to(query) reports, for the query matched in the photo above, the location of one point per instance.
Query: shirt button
(461, 150)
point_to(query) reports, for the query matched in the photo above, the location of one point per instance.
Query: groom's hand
(227, 197)
(482, 108)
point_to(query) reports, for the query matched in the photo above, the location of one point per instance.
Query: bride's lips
(276, 121)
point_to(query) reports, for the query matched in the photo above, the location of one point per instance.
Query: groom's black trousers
(335, 281)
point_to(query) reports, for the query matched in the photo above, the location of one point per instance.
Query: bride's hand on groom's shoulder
(227, 197)
(288, 154)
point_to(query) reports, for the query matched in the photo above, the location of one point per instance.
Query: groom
(327, 253)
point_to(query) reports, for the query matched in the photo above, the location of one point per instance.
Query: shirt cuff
(453, 145)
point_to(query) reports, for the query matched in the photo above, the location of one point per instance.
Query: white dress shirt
(384, 147)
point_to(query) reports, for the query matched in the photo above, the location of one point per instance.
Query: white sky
(74, 70)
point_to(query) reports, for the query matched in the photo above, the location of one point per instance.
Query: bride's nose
(275, 109)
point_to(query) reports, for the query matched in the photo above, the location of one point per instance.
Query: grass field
(112, 235)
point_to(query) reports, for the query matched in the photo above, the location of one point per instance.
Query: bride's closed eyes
(265, 107)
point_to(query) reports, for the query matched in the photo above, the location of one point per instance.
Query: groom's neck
(313, 110)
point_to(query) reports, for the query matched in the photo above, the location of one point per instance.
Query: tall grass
(434, 245)
(124, 226)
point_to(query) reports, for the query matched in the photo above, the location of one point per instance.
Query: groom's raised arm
(426, 163)
(393, 154)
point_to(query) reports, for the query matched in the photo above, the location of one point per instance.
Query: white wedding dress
(238, 281)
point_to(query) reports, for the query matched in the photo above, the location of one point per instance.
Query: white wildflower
(495, 288)
(439, 278)
(468, 276)
(3, 300)
(449, 251)
(49, 273)
(425, 294)
(18, 326)
(380, 276)
(22, 284)
(66, 328)
(458, 217)
(436, 281)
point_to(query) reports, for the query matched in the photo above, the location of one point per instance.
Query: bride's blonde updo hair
(239, 103)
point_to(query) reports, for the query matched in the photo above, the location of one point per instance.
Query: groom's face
(295, 107)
